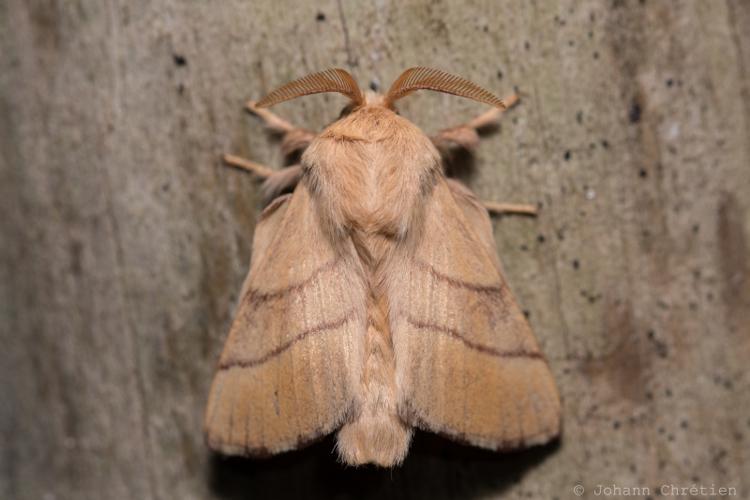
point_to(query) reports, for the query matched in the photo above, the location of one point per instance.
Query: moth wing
(293, 354)
(467, 363)
(476, 216)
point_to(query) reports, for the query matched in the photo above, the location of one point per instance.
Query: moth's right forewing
(292, 362)
(467, 364)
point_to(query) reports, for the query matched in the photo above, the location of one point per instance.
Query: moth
(375, 302)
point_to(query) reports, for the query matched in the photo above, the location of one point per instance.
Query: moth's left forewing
(467, 363)
(291, 364)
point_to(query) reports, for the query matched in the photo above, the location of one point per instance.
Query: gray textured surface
(123, 242)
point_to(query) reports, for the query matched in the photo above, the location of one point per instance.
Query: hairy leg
(294, 139)
(466, 136)
(250, 166)
(274, 181)
(509, 208)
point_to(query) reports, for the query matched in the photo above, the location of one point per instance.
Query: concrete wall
(124, 242)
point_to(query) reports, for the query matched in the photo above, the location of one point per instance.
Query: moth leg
(294, 139)
(461, 191)
(510, 208)
(275, 182)
(255, 168)
(466, 136)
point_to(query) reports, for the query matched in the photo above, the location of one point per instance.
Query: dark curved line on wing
(457, 283)
(319, 328)
(273, 206)
(256, 297)
(485, 349)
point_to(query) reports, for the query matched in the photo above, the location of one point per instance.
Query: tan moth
(375, 301)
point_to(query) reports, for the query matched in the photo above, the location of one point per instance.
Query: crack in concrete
(351, 61)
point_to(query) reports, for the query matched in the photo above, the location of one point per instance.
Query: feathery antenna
(434, 79)
(330, 80)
